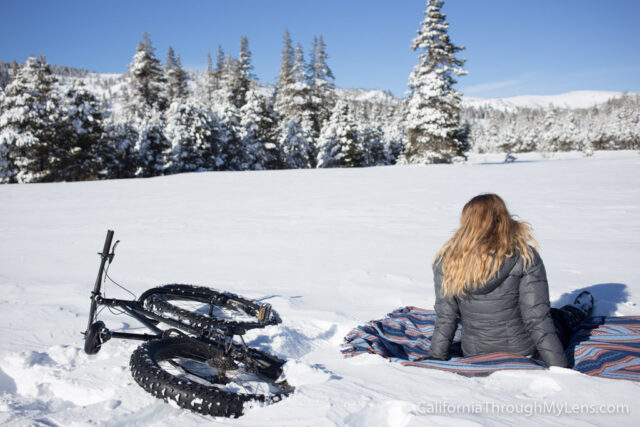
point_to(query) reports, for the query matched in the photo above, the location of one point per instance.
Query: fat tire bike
(195, 354)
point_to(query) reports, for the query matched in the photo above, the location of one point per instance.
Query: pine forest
(60, 124)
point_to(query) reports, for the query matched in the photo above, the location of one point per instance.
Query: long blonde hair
(487, 235)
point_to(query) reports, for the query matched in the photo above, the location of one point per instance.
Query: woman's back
(504, 307)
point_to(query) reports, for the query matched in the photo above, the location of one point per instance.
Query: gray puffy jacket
(511, 313)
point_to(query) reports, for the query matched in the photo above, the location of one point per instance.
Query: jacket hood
(505, 269)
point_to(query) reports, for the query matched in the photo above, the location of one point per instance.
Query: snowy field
(329, 249)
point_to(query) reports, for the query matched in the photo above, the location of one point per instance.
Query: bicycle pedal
(265, 313)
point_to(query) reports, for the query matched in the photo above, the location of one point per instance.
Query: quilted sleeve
(447, 314)
(536, 314)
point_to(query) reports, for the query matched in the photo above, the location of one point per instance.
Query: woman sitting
(489, 276)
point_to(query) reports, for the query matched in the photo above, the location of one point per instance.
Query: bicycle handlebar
(104, 257)
(107, 244)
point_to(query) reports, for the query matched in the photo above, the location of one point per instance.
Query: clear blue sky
(514, 47)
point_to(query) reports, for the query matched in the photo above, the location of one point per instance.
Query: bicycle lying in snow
(194, 359)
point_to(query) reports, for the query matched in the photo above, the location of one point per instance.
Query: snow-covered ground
(329, 249)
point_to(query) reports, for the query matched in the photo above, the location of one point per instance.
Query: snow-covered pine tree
(322, 96)
(209, 79)
(293, 145)
(117, 153)
(285, 78)
(229, 150)
(14, 70)
(243, 77)
(152, 146)
(338, 145)
(190, 131)
(8, 170)
(227, 83)
(144, 102)
(260, 133)
(175, 77)
(83, 133)
(219, 70)
(433, 116)
(31, 149)
(291, 103)
(298, 107)
(146, 77)
(394, 132)
(371, 139)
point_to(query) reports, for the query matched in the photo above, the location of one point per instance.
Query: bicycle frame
(206, 343)
(132, 308)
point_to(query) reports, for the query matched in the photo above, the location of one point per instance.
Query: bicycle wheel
(199, 376)
(206, 308)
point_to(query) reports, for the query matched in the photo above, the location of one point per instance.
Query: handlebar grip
(107, 243)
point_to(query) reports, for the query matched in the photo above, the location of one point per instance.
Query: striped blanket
(603, 346)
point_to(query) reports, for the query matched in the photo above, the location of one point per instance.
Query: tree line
(614, 125)
(166, 121)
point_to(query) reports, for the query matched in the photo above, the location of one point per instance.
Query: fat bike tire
(182, 370)
(200, 307)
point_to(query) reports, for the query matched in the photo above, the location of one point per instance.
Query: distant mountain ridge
(58, 70)
(571, 100)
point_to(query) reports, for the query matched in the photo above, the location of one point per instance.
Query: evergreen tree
(8, 170)
(210, 81)
(294, 146)
(371, 139)
(228, 82)
(338, 145)
(83, 132)
(433, 118)
(242, 74)
(190, 131)
(322, 97)
(14, 70)
(298, 107)
(31, 149)
(175, 77)
(220, 60)
(144, 103)
(291, 103)
(230, 153)
(152, 146)
(146, 78)
(394, 133)
(260, 133)
(116, 153)
(285, 78)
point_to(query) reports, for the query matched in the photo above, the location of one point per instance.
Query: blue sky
(513, 47)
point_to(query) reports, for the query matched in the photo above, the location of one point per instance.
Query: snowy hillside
(572, 100)
(329, 249)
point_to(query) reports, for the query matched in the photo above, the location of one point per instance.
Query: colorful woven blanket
(603, 346)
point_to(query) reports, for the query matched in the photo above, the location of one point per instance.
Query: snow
(575, 99)
(329, 249)
(373, 95)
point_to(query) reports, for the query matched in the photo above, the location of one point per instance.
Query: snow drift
(329, 249)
